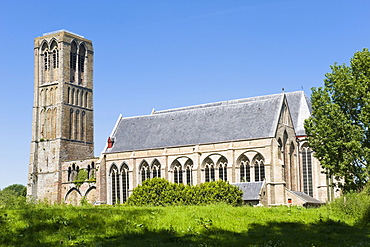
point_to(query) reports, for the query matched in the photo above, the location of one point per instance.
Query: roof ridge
(220, 103)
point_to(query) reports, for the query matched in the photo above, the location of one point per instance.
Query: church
(257, 144)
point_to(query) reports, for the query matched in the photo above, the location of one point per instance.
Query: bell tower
(62, 125)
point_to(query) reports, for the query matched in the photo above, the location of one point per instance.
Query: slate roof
(242, 119)
(251, 190)
(307, 198)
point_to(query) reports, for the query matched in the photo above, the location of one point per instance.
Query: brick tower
(62, 125)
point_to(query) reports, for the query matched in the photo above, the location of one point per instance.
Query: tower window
(46, 65)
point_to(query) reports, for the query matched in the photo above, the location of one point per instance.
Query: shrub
(160, 192)
(354, 205)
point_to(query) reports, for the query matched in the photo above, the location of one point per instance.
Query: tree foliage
(338, 130)
(13, 195)
(160, 192)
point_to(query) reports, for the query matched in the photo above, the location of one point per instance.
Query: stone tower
(62, 125)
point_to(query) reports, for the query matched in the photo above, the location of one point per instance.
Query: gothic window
(88, 171)
(222, 168)
(177, 172)
(156, 168)
(73, 60)
(188, 171)
(55, 58)
(125, 182)
(81, 98)
(209, 170)
(144, 170)
(81, 58)
(46, 61)
(259, 168)
(307, 169)
(245, 169)
(115, 185)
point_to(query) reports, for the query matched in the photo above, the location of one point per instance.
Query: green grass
(214, 225)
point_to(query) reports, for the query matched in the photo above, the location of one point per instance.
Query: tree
(13, 195)
(338, 130)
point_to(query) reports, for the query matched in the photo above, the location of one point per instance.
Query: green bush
(354, 205)
(160, 192)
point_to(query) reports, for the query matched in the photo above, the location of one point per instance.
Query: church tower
(62, 125)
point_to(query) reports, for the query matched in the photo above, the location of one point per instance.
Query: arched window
(307, 169)
(177, 172)
(259, 168)
(81, 58)
(156, 168)
(125, 182)
(55, 58)
(188, 171)
(144, 170)
(73, 60)
(245, 169)
(81, 63)
(222, 168)
(209, 170)
(115, 185)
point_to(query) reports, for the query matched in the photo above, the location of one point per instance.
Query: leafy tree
(13, 195)
(338, 130)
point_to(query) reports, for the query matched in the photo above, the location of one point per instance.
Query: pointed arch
(189, 171)
(125, 181)
(73, 60)
(156, 168)
(177, 171)
(209, 170)
(144, 170)
(115, 184)
(90, 194)
(73, 196)
(55, 53)
(292, 169)
(306, 153)
(222, 168)
(259, 167)
(244, 168)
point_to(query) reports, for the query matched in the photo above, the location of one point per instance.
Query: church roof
(243, 119)
(251, 190)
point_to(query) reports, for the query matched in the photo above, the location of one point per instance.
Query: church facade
(256, 143)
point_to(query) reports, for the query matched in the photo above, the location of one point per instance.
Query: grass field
(214, 225)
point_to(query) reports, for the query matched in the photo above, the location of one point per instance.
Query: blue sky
(167, 54)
